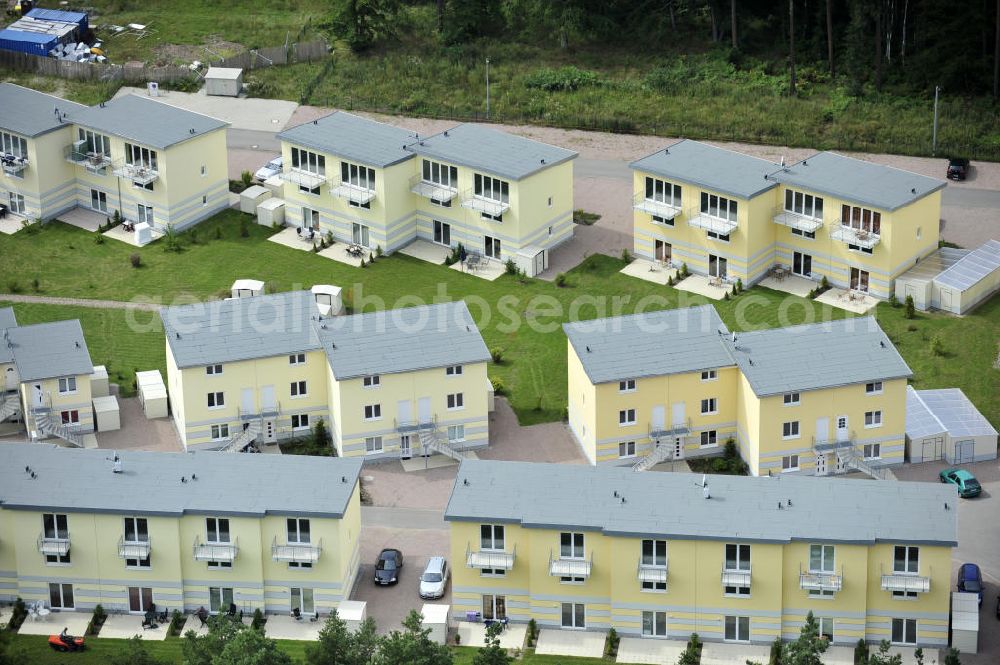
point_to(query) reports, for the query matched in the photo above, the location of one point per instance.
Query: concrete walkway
(80, 302)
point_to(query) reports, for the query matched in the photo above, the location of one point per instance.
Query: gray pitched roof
(31, 113)
(81, 480)
(973, 267)
(50, 350)
(672, 505)
(817, 355)
(713, 168)
(492, 151)
(932, 412)
(650, 344)
(355, 138)
(241, 329)
(933, 264)
(402, 340)
(7, 320)
(146, 121)
(858, 181)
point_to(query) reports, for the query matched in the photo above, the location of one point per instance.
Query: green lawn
(66, 262)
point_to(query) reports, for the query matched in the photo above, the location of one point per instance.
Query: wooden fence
(138, 75)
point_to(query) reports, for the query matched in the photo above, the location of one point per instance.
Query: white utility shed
(253, 196)
(328, 299)
(247, 288)
(271, 211)
(107, 417)
(436, 618)
(352, 613)
(965, 622)
(944, 424)
(224, 81)
(152, 393)
(99, 385)
(971, 280)
(917, 282)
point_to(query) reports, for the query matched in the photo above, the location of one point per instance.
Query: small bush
(824, 283)
(893, 301)
(561, 280)
(135, 259)
(13, 286)
(562, 79)
(937, 345)
(362, 259)
(218, 233)
(626, 256)
(19, 614)
(532, 632)
(246, 178)
(670, 281)
(497, 354)
(684, 273)
(861, 652)
(176, 621)
(611, 646)
(244, 228)
(329, 239)
(258, 619)
(739, 285)
(98, 239)
(911, 309)
(585, 218)
(378, 251)
(510, 267)
(498, 387)
(36, 285)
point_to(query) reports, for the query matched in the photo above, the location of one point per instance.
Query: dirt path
(79, 302)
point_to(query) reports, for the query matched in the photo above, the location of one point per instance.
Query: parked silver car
(272, 168)
(435, 579)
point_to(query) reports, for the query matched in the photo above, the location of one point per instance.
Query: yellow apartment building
(391, 383)
(153, 162)
(664, 555)
(47, 373)
(498, 195)
(734, 216)
(818, 399)
(177, 530)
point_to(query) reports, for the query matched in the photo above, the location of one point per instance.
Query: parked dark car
(970, 580)
(387, 566)
(958, 168)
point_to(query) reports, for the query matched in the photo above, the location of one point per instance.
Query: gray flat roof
(354, 138)
(973, 267)
(933, 264)
(930, 412)
(7, 320)
(146, 121)
(713, 168)
(31, 113)
(81, 480)
(241, 329)
(650, 344)
(402, 340)
(672, 505)
(492, 151)
(858, 181)
(50, 350)
(817, 355)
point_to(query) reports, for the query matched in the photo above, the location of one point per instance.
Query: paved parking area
(140, 433)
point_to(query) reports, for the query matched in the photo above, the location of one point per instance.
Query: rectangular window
(825, 625)
(790, 430)
(492, 188)
(571, 545)
(790, 463)
(709, 406)
(217, 529)
(300, 421)
(662, 220)
(440, 174)
(140, 599)
(136, 530)
(626, 449)
(139, 156)
(718, 206)
(906, 559)
(821, 558)
(626, 386)
(791, 399)
(626, 417)
(61, 596)
(296, 359)
(71, 417)
(67, 385)
(654, 623)
(662, 191)
(298, 389)
(213, 370)
(873, 419)
(873, 388)
(453, 370)
(13, 145)
(904, 631)
(357, 175)
(298, 531)
(737, 629)
(56, 526)
(16, 203)
(721, 237)
(220, 432)
(491, 537)
(803, 204)
(574, 615)
(805, 234)
(654, 552)
(308, 161)
(456, 433)
(873, 450)
(456, 401)
(862, 219)
(216, 400)
(737, 557)
(373, 444)
(219, 599)
(373, 412)
(709, 438)
(709, 375)
(373, 381)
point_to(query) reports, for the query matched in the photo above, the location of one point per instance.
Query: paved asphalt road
(966, 197)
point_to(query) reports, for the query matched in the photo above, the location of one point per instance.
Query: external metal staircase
(243, 439)
(431, 441)
(10, 406)
(45, 425)
(853, 460)
(661, 453)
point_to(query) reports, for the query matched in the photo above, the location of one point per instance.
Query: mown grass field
(66, 262)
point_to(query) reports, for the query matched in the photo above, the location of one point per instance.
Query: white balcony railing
(95, 162)
(432, 190)
(796, 221)
(701, 220)
(654, 207)
(50, 546)
(570, 567)
(489, 559)
(813, 580)
(482, 204)
(731, 577)
(133, 549)
(217, 552)
(354, 193)
(291, 552)
(647, 572)
(137, 173)
(13, 164)
(302, 178)
(854, 236)
(906, 582)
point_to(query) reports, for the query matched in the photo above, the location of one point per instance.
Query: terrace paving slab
(720, 653)
(426, 251)
(585, 644)
(85, 219)
(650, 271)
(474, 635)
(838, 656)
(125, 626)
(652, 651)
(793, 284)
(848, 301)
(701, 285)
(75, 623)
(490, 271)
(282, 627)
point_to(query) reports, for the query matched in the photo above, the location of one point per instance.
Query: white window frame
(453, 370)
(905, 626)
(310, 162)
(626, 449)
(872, 451)
(298, 389)
(626, 417)
(873, 388)
(216, 400)
(790, 430)
(67, 385)
(455, 401)
(300, 421)
(791, 399)
(626, 386)
(725, 208)
(873, 419)
(371, 381)
(456, 433)
(372, 412)
(712, 404)
(911, 560)
(709, 438)
(296, 358)
(657, 622)
(804, 205)
(220, 432)
(373, 445)
(213, 370)
(740, 628)
(709, 375)
(790, 463)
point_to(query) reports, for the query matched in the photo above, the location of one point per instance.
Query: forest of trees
(910, 45)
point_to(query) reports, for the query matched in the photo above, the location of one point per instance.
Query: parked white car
(435, 579)
(272, 168)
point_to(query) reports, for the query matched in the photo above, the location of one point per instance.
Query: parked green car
(966, 483)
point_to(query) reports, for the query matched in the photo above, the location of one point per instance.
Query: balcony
(490, 559)
(354, 193)
(216, 552)
(649, 572)
(796, 221)
(139, 174)
(570, 567)
(406, 426)
(296, 552)
(854, 236)
(95, 162)
(432, 190)
(50, 546)
(658, 430)
(473, 201)
(701, 220)
(841, 442)
(13, 164)
(907, 582)
(732, 577)
(133, 549)
(820, 580)
(302, 178)
(654, 207)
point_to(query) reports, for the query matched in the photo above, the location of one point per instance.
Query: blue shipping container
(27, 42)
(79, 18)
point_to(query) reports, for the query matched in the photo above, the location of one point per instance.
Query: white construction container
(152, 394)
(224, 81)
(253, 196)
(107, 417)
(352, 613)
(99, 385)
(276, 185)
(965, 622)
(531, 259)
(436, 618)
(247, 288)
(271, 211)
(328, 299)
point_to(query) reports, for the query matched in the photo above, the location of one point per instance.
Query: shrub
(561, 280)
(824, 283)
(611, 646)
(19, 614)
(378, 251)
(218, 233)
(626, 256)
(725, 296)
(36, 285)
(246, 178)
(937, 345)
(585, 218)
(532, 632)
(731, 452)
(692, 653)
(893, 301)
(562, 79)
(135, 259)
(258, 619)
(176, 621)
(670, 281)
(719, 465)
(911, 309)
(776, 648)
(497, 354)
(362, 259)
(684, 270)
(98, 239)
(329, 239)
(739, 285)
(861, 652)
(244, 228)
(510, 267)
(320, 436)
(498, 387)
